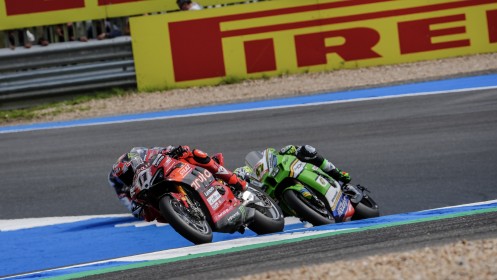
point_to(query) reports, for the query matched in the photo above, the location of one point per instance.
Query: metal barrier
(63, 68)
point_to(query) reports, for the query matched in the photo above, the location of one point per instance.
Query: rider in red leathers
(123, 172)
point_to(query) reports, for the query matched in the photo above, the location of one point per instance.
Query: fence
(64, 68)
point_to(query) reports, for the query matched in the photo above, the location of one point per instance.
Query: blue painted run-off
(482, 81)
(47, 247)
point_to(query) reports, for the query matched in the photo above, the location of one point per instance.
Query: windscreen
(253, 158)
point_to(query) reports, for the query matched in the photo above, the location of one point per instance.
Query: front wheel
(268, 215)
(186, 221)
(305, 210)
(365, 209)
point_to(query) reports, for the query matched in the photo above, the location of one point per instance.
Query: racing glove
(179, 152)
(340, 175)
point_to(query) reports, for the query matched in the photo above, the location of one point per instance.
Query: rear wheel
(268, 216)
(366, 208)
(306, 210)
(189, 222)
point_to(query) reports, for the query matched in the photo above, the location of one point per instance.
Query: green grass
(76, 104)
(55, 108)
(231, 80)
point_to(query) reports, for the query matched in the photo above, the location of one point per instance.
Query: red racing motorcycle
(195, 203)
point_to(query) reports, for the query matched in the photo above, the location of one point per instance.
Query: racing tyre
(366, 208)
(305, 210)
(268, 216)
(190, 226)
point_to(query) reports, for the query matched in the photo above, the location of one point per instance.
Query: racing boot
(341, 176)
(151, 214)
(147, 213)
(309, 154)
(219, 158)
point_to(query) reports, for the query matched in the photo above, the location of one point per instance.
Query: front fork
(190, 206)
(181, 195)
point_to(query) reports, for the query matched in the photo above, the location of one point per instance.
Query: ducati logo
(222, 170)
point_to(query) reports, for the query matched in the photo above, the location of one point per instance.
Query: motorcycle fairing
(319, 181)
(227, 213)
(343, 210)
(296, 167)
(280, 167)
(235, 219)
(224, 207)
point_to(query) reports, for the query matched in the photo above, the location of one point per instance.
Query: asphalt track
(414, 153)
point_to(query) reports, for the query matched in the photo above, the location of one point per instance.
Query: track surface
(414, 153)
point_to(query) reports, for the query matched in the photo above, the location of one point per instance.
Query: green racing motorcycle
(305, 191)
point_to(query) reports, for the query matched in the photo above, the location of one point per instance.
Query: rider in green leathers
(305, 153)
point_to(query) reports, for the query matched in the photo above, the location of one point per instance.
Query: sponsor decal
(234, 218)
(333, 195)
(216, 205)
(168, 165)
(242, 210)
(214, 198)
(203, 177)
(322, 181)
(158, 160)
(224, 212)
(306, 193)
(296, 168)
(185, 169)
(222, 170)
(301, 36)
(342, 207)
(209, 191)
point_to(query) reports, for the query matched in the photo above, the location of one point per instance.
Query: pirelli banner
(289, 36)
(28, 13)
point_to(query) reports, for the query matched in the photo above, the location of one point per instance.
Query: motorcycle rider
(123, 171)
(305, 153)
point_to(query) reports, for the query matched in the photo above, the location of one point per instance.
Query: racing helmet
(139, 151)
(126, 164)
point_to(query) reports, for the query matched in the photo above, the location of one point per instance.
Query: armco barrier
(65, 68)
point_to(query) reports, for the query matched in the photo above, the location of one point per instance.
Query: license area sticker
(214, 198)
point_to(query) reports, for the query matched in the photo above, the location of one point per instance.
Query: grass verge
(54, 108)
